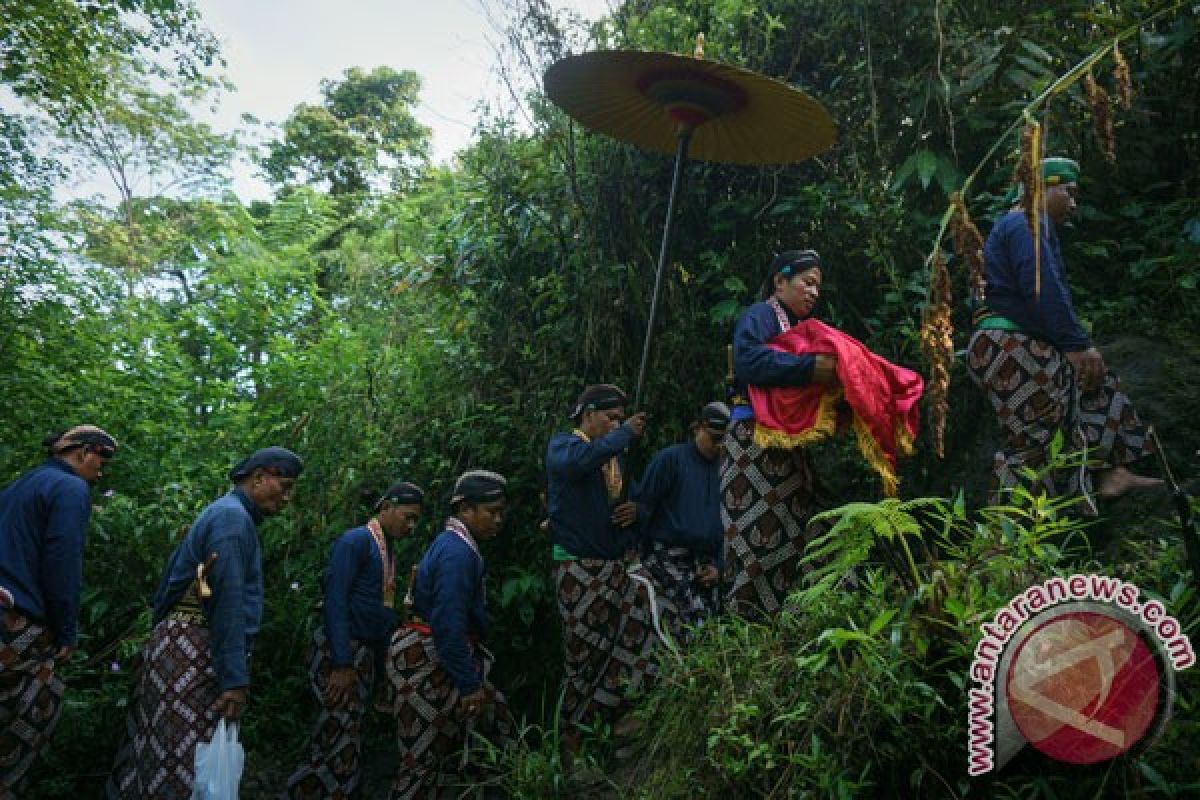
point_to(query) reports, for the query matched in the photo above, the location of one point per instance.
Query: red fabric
(882, 395)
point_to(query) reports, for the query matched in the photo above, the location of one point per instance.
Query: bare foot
(1112, 483)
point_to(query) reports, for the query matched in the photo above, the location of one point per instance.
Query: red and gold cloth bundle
(881, 395)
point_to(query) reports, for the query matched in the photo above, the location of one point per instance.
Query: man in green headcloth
(1038, 366)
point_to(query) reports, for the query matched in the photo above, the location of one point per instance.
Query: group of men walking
(424, 657)
(719, 522)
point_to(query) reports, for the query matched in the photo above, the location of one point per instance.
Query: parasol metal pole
(685, 137)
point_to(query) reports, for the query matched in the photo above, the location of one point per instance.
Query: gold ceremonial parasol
(675, 104)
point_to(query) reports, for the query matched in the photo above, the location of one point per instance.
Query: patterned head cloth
(478, 486)
(1057, 170)
(788, 263)
(81, 436)
(599, 397)
(715, 416)
(792, 262)
(280, 460)
(402, 494)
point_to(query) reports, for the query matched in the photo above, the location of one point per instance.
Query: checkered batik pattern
(434, 739)
(171, 712)
(1031, 388)
(768, 496)
(607, 617)
(334, 767)
(673, 570)
(31, 696)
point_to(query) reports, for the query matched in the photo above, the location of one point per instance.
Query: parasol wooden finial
(699, 51)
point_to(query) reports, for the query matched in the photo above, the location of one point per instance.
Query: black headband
(790, 262)
(478, 486)
(715, 416)
(279, 459)
(599, 397)
(402, 494)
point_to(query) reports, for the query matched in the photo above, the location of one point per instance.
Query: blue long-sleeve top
(756, 364)
(449, 596)
(353, 607)
(1009, 269)
(679, 501)
(577, 497)
(43, 520)
(227, 527)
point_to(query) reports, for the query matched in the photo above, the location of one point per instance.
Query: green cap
(1057, 170)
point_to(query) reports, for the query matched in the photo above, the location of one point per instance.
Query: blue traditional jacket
(353, 607)
(679, 501)
(43, 520)
(1010, 269)
(755, 364)
(577, 496)
(227, 527)
(449, 596)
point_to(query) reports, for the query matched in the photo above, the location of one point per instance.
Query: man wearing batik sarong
(437, 664)
(207, 612)
(768, 494)
(679, 504)
(1039, 368)
(358, 617)
(606, 613)
(43, 518)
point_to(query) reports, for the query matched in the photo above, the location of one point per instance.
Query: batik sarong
(435, 740)
(171, 711)
(673, 570)
(768, 496)
(609, 635)
(334, 766)
(31, 696)
(1032, 390)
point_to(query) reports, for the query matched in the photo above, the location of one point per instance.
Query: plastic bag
(219, 765)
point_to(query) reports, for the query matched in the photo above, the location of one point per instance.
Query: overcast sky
(278, 51)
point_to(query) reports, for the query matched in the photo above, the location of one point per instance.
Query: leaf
(1034, 67)
(1155, 777)
(724, 311)
(904, 173)
(927, 166)
(977, 79)
(1037, 51)
(955, 607)
(881, 620)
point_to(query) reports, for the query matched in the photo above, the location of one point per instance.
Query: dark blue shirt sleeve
(654, 487)
(62, 567)
(344, 561)
(575, 458)
(454, 585)
(1053, 313)
(226, 610)
(755, 363)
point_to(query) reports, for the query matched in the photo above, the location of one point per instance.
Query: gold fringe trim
(825, 426)
(904, 441)
(874, 455)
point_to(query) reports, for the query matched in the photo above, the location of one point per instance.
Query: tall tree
(148, 145)
(363, 131)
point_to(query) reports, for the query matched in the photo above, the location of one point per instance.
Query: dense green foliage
(387, 318)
